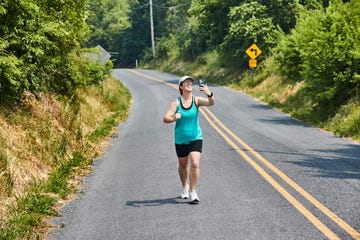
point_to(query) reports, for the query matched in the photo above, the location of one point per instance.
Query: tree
(108, 19)
(172, 40)
(248, 23)
(198, 28)
(40, 46)
(323, 50)
(136, 38)
(211, 17)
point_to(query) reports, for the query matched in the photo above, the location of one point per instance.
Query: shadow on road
(155, 202)
(285, 121)
(342, 163)
(329, 163)
(335, 163)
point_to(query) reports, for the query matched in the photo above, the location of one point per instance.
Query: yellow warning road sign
(252, 63)
(253, 51)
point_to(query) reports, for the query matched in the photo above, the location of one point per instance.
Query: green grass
(346, 122)
(25, 217)
(105, 128)
(57, 182)
(28, 214)
(118, 101)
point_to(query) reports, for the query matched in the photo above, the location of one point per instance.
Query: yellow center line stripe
(152, 78)
(314, 220)
(351, 231)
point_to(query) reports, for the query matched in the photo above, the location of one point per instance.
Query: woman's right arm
(171, 115)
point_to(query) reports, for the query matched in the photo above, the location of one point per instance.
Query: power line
(139, 7)
(160, 6)
(180, 5)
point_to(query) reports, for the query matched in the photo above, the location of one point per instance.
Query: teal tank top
(187, 128)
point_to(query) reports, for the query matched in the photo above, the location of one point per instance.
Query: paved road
(264, 175)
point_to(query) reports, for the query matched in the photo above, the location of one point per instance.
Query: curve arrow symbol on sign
(253, 51)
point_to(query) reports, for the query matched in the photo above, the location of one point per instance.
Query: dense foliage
(249, 23)
(324, 50)
(40, 47)
(108, 19)
(191, 28)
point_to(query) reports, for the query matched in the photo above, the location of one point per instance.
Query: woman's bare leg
(182, 169)
(194, 169)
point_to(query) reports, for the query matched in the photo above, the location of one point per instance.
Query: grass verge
(72, 133)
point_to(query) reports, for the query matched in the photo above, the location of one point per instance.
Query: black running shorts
(182, 150)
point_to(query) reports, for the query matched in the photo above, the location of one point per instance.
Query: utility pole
(152, 29)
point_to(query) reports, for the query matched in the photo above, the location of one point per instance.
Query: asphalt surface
(134, 190)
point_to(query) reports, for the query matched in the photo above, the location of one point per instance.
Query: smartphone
(201, 82)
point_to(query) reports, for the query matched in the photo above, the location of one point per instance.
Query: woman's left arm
(210, 100)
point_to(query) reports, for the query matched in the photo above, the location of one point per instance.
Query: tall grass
(347, 120)
(45, 143)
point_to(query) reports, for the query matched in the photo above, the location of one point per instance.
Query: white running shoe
(194, 199)
(185, 192)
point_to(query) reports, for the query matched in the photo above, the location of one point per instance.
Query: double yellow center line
(234, 140)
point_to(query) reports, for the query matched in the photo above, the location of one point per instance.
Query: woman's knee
(195, 159)
(195, 164)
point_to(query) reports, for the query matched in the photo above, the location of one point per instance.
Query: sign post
(253, 52)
